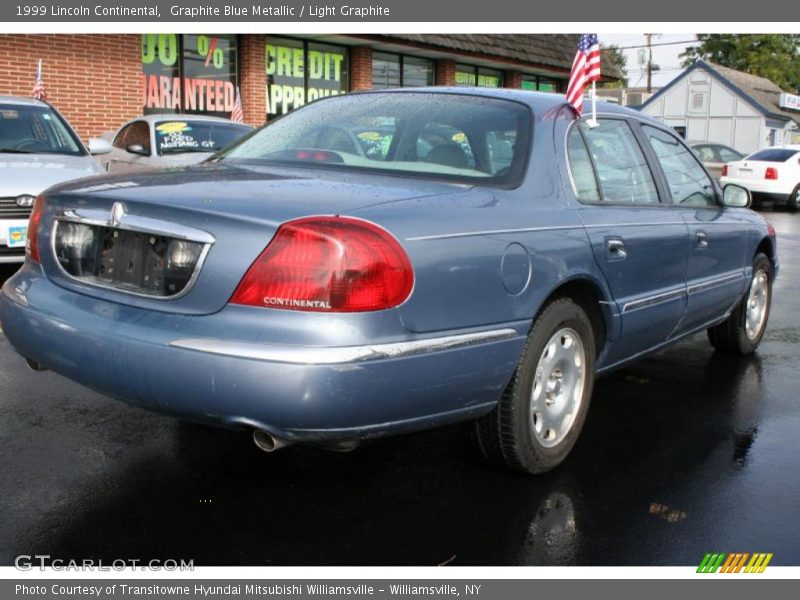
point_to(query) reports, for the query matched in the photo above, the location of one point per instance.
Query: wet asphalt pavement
(684, 453)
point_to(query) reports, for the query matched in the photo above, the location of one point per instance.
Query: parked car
(771, 174)
(715, 156)
(170, 140)
(38, 148)
(319, 295)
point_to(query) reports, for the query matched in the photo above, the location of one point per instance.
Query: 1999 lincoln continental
(378, 263)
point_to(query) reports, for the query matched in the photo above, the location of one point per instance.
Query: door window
(622, 171)
(580, 165)
(688, 182)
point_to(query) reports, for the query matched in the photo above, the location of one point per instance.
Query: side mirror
(138, 149)
(736, 196)
(99, 146)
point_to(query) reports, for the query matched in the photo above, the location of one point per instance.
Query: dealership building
(100, 81)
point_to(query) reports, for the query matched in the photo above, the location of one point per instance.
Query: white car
(770, 174)
(38, 148)
(168, 140)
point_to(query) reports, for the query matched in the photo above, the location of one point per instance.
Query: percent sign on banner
(207, 47)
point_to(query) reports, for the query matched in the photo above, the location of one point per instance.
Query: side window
(688, 182)
(580, 165)
(120, 141)
(139, 134)
(622, 171)
(706, 153)
(728, 155)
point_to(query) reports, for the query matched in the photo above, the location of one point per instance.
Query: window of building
(468, 75)
(299, 71)
(540, 84)
(397, 70)
(195, 74)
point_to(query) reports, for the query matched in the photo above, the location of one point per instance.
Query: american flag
(237, 115)
(585, 69)
(38, 88)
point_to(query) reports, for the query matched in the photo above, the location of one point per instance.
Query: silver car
(166, 140)
(715, 156)
(38, 148)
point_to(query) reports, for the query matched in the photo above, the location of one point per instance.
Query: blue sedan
(379, 263)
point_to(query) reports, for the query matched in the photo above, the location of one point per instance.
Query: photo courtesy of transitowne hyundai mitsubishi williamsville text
(209, 591)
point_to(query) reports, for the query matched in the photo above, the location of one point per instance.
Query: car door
(716, 275)
(132, 136)
(640, 245)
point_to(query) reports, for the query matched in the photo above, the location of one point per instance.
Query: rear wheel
(794, 200)
(742, 331)
(542, 412)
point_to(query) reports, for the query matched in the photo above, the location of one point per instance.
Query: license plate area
(135, 262)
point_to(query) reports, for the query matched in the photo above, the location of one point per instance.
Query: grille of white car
(11, 210)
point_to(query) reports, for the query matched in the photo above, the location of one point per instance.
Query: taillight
(771, 173)
(724, 170)
(32, 241)
(328, 264)
(770, 229)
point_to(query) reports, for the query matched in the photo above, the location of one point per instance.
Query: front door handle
(702, 240)
(615, 249)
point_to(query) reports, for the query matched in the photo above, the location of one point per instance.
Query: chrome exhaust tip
(35, 366)
(267, 442)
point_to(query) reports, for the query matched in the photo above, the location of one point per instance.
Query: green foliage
(774, 56)
(614, 61)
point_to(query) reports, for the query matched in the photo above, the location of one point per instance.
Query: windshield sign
(174, 137)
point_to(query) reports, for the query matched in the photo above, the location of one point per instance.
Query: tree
(776, 57)
(614, 62)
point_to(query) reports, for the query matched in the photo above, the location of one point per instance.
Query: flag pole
(594, 104)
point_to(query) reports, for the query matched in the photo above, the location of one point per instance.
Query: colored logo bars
(734, 563)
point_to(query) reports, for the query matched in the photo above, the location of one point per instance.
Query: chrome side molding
(334, 355)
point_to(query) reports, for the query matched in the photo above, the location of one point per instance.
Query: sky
(664, 56)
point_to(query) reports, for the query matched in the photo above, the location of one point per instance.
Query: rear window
(773, 155)
(443, 136)
(179, 136)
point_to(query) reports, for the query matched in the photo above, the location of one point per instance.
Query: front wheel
(742, 331)
(541, 413)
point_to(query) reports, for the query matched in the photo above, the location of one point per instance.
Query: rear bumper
(172, 364)
(777, 190)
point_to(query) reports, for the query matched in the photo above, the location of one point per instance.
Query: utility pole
(649, 37)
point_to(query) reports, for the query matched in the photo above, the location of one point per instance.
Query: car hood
(182, 158)
(34, 173)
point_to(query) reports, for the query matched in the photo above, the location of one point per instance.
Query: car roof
(795, 147)
(540, 102)
(23, 101)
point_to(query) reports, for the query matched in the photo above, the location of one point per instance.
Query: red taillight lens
(328, 264)
(32, 241)
(770, 229)
(724, 170)
(771, 173)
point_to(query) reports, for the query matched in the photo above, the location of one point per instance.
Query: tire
(793, 204)
(742, 331)
(534, 427)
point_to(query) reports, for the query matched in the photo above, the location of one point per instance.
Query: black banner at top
(377, 11)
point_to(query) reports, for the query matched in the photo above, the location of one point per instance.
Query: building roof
(760, 89)
(761, 93)
(552, 50)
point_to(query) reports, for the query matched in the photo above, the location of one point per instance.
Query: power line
(657, 44)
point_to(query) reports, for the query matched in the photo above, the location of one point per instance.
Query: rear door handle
(702, 240)
(615, 249)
